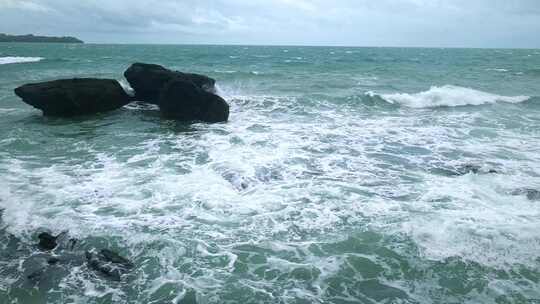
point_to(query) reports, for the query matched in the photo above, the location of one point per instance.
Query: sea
(344, 175)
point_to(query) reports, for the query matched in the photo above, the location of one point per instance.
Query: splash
(447, 96)
(11, 60)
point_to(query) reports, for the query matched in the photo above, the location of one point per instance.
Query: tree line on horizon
(33, 38)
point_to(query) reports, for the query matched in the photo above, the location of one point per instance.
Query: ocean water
(339, 178)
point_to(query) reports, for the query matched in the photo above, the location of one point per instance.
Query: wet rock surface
(180, 96)
(149, 79)
(74, 97)
(108, 263)
(47, 241)
(184, 101)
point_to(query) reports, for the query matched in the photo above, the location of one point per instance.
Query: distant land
(42, 39)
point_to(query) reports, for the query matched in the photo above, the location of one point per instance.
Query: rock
(463, 170)
(108, 263)
(115, 258)
(36, 265)
(72, 97)
(475, 169)
(148, 79)
(532, 194)
(53, 261)
(47, 241)
(44, 271)
(183, 100)
(181, 96)
(36, 275)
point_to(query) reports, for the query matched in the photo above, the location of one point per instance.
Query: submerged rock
(475, 169)
(149, 79)
(464, 170)
(183, 100)
(46, 271)
(47, 241)
(115, 258)
(532, 194)
(53, 261)
(72, 97)
(108, 263)
(38, 265)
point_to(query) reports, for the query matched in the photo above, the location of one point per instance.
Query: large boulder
(148, 79)
(71, 97)
(183, 100)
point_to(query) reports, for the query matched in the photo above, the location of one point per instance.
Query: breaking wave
(447, 96)
(10, 60)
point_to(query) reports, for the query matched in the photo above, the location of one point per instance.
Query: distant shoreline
(267, 45)
(38, 39)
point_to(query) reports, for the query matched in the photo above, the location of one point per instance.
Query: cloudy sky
(444, 23)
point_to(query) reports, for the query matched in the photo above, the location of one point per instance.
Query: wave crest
(10, 60)
(447, 96)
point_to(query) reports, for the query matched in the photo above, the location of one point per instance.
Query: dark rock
(108, 263)
(47, 241)
(148, 79)
(72, 97)
(475, 169)
(53, 260)
(532, 194)
(183, 100)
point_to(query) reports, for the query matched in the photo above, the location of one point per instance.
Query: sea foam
(9, 60)
(447, 96)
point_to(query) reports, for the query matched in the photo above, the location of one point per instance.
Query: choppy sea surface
(342, 176)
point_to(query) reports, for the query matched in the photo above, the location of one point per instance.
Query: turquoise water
(335, 180)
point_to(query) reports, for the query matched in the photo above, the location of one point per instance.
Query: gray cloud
(476, 23)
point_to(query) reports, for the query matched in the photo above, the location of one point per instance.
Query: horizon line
(308, 45)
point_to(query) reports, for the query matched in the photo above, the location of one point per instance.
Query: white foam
(448, 96)
(127, 88)
(10, 60)
(497, 70)
(480, 223)
(176, 197)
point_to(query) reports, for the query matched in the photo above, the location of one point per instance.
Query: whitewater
(12, 60)
(449, 96)
(344, 175)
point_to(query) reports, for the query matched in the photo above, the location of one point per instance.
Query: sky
(428, 23)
